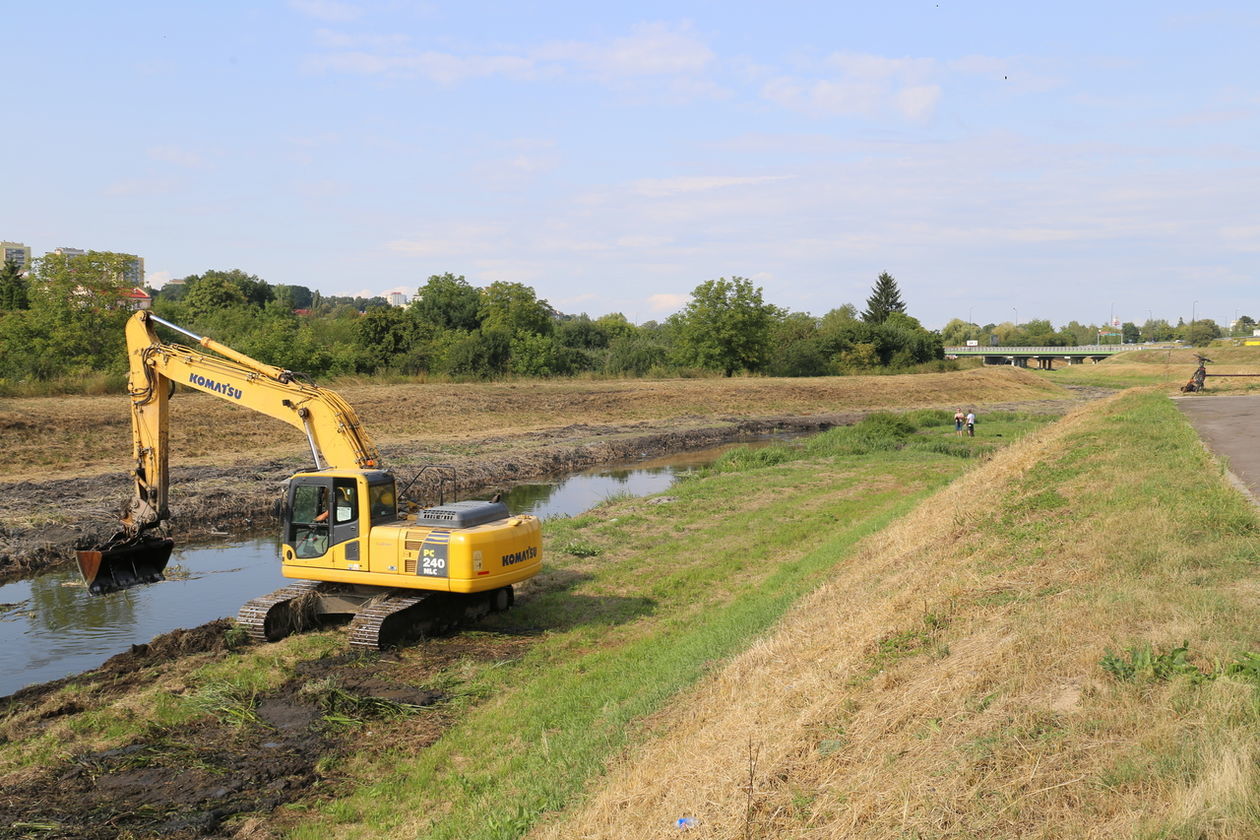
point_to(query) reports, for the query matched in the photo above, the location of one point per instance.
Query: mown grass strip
(673, 591)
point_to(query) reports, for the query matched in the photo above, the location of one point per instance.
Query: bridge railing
(1078, 350)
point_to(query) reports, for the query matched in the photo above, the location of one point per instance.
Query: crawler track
(380, 617)
(254, 613)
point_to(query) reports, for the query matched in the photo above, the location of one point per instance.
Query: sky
(1003, 161)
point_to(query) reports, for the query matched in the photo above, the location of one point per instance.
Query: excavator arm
(336, 437)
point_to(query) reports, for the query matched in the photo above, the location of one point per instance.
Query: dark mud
(224, 776)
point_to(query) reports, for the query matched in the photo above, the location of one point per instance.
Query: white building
(397, 299)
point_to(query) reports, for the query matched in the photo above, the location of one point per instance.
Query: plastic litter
(685, 822)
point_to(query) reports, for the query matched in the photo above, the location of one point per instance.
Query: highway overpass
(1041, 357)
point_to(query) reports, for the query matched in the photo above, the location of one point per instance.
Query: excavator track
(254, 613)
(380, 617)
(394, 617)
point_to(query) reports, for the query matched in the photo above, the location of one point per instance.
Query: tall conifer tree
(884, 300)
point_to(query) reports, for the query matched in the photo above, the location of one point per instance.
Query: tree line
(1041, 333)
(65, 319)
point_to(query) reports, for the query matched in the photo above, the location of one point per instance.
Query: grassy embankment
(1060, 644)
(1166, 369)
(640, 599)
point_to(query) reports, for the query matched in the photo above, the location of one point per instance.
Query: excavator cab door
(322, 513)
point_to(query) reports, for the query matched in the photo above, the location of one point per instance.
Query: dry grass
(85, 435)
(946, 683)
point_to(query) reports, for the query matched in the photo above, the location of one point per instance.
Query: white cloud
(663, 187)
(652, 49)
(176, 155)
(157, 279)
(667, 302)
(140, 186)
(342, 40)
(445, 68)
(330, 10)
(865, 66)
(1242, 238)
(918, 102)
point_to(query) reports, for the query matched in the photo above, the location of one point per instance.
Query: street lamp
(1192, 310)
(1016, 311)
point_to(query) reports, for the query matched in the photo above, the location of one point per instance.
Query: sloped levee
(1055, 645)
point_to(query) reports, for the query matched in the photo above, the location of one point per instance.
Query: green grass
(656, 597)
(925, 430)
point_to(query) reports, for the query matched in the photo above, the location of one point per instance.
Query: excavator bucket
(123, 562)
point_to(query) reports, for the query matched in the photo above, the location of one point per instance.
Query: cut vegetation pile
(1059, 644)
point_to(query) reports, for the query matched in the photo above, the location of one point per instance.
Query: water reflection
(51, 627)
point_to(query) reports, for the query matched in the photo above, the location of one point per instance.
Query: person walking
(971, 423)
(959, 417)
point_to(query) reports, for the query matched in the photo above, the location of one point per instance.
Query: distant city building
(397, 299)
(133, 270)
(18, 254)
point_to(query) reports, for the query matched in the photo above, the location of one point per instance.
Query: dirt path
(1230, 426)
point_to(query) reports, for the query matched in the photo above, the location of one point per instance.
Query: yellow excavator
(344, 540)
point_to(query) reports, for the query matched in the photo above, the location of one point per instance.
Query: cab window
(309, 534)
(382, 502)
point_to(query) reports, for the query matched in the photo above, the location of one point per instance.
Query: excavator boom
(332, 429)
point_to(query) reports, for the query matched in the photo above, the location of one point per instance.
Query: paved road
(1230, 426)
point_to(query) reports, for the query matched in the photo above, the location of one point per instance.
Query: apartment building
(16, 253)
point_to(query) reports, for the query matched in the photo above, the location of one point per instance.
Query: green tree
(1157, 329)
(580, 331)
(292, 297)
(1243, 326)
(483, 354)
(78, 309)
(726, 326)
(634, 354)
(958, 332)
(448, 302)
(534, 355)
(386, 335)
(14, 292)
(254, 291)
(211, 294)
(884, 300)
(515, 309)
(1202, 332)
(1130, 333)
(796, 347)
